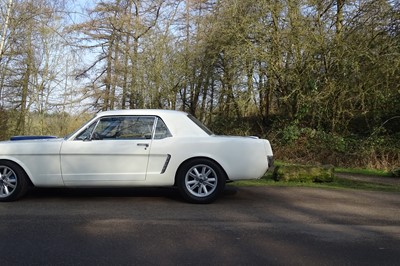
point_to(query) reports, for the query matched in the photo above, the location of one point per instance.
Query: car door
(111, 151)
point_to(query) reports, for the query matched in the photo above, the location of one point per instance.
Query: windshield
(200, 125)
(87, 124)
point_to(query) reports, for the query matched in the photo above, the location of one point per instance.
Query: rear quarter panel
(240, 157)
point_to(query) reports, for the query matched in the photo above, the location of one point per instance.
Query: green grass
(339, 183)
(362, 171)
(373, 172)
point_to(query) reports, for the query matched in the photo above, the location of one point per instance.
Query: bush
(299, 142)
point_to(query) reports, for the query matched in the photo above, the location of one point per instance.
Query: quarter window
(162, 131)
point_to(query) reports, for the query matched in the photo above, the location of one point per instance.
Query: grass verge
(373, 172)
(361, 171)
(339, 183)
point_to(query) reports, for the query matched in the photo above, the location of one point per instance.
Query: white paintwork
(70, 162)
(91, 160)
(39, 158)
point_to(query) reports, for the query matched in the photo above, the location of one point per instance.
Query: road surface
(246, 226)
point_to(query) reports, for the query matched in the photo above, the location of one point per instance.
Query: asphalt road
(246, 226)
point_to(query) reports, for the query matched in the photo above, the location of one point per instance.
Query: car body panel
(223, 150)
(75, 161)
(40, 159)
(85, 162)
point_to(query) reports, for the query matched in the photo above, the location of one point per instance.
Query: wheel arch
(195, 158)
(20, 165)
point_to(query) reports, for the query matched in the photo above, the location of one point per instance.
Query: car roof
(152, 112)
(177, 121)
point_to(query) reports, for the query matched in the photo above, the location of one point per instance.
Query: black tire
(200, 180)
(13, 181)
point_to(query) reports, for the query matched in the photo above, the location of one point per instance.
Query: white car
(133, 148)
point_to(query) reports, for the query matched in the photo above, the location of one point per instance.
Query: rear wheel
(201, 181)
(13, 182)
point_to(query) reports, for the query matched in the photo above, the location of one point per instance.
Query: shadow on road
(171, 193)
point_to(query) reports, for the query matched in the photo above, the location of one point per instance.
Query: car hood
(18, 138)
(21, 141)
(36, 146)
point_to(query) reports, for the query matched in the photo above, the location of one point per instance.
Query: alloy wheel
(8, 181)
(201, 180)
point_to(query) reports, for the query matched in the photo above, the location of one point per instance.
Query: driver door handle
(143, 144)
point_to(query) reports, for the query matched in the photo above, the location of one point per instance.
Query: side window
(162, 131)
(124, 127)
(136, 127)
(120, 127)
(107, 128)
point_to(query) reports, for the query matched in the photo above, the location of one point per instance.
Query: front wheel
(201, 181)
(13, 183)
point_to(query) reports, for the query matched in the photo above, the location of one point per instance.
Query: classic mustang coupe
(133, 148)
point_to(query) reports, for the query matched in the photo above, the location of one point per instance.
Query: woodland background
(318, 78)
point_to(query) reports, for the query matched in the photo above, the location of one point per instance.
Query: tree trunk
(5, 28)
